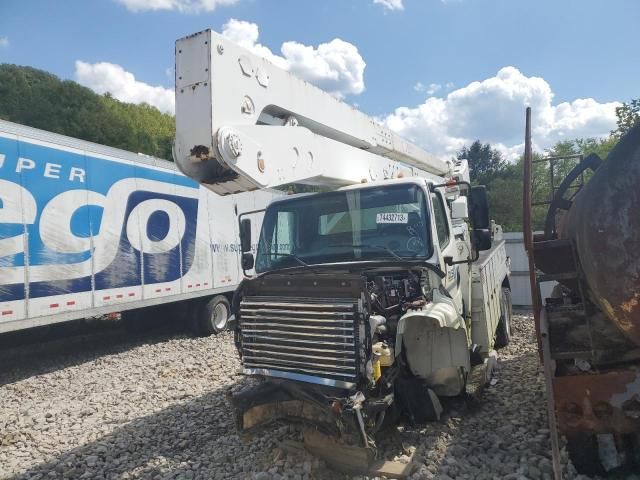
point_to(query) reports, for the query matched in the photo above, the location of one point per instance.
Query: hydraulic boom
(243, 123)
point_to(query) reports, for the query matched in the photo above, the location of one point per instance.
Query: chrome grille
(311, 339)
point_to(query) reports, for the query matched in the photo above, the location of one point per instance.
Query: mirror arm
(248, 213)
(243, 253)
(454, 183)
(240, 229)
(449, 260)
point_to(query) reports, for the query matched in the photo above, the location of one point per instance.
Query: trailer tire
(503, 330)
(213, 316)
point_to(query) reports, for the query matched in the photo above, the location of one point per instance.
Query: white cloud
(183, 6)
(4, 42)
(492, 110)
(390, 4)
(429, 89)
(106, 77)
(246, 35)
(336, 66)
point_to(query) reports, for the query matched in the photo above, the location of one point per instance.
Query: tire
(416, 401)
(213, 316)
(503, 330)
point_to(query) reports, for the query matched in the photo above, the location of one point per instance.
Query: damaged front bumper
(336, 421)
(326, 409)
(343, 414)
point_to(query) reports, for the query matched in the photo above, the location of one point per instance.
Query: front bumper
(274, 400)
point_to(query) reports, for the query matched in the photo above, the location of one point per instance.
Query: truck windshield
(388, 221)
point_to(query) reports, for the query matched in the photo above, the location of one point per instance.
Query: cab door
(446, 244)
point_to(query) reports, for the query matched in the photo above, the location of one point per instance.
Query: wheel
(213, 315)
(503, 330)
(418, 402)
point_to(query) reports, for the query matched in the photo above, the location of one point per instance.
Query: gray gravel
(158, 410)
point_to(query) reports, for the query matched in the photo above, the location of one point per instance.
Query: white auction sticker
(392, 218)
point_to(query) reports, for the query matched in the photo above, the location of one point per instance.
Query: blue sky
(572, 60)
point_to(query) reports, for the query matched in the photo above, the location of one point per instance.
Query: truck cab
(359, 293)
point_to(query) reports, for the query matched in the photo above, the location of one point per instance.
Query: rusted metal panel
(607, 402)
(604, 225)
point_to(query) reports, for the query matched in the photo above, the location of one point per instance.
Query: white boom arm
(243, 123)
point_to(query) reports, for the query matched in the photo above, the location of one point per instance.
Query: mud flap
(479, 378)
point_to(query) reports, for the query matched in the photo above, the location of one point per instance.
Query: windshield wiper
(292, 255)
(433, 268)
(378, 247)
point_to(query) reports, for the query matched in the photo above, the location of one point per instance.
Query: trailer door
(17, 207)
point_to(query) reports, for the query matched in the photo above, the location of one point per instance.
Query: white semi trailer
(368, 302)
(87, 230)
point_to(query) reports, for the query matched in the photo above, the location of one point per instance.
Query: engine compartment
(354, 350)
(390, 295)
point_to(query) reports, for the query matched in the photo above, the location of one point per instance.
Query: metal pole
(547, 364)
(526, 197)
(542, 331)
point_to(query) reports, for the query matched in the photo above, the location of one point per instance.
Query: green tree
(504, 193)
(504, 182)
(38, 99)
(484, 162)
(584, 146)
(627, 116)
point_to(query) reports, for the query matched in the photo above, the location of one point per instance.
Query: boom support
(243, 123)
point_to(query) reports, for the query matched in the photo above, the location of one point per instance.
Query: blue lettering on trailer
(127, 223)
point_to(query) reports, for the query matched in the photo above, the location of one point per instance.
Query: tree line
(504, 180)
(39, 99)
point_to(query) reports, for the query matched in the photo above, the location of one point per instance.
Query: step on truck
(88, 230)
(365, 302)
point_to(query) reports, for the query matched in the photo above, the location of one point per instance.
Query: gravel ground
(155, 408)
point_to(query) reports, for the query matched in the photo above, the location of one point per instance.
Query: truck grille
(310, 339)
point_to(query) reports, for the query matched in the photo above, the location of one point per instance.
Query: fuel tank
(603, 223)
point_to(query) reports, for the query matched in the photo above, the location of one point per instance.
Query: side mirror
(247, 261)
(482, 239)
(245, 235)
(479, 211)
